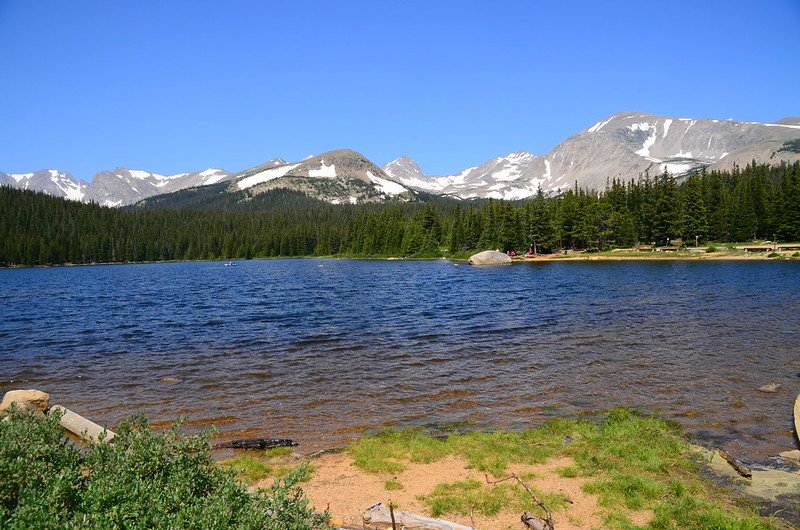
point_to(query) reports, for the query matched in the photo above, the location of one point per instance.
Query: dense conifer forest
(757, 202)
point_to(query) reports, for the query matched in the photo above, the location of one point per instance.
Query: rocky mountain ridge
(624, 146)
(119, 187)
(338, 177)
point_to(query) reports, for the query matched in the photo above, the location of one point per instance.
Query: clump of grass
(567, 472)
(393, 485)
(269, 463)
(278, 452)
(248, 468)
(711, 248)
(385, 452)
(687, 511)
(492, 452)
(470, 496)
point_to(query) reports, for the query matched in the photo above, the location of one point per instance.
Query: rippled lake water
(320, 350)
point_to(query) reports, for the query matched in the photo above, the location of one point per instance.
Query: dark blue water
(319, 350)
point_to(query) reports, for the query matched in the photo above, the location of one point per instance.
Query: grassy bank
(626, 472)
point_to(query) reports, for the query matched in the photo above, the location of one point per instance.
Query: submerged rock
(489, 257)
(791, 455)
(770, 388)
(25, 398)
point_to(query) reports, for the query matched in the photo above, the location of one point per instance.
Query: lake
(321, 350)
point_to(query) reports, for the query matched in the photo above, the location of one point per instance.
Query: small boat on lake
(230, 264)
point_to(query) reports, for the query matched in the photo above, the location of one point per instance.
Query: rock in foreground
(489, 257)
(35, 398)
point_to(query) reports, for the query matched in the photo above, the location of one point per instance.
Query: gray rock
(489, 257)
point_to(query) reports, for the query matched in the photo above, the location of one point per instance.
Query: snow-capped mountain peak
(341, 176)
(624, 146)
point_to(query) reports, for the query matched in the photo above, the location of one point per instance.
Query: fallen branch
(530, 520)
(735, 464)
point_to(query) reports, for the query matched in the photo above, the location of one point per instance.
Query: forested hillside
(758, 201)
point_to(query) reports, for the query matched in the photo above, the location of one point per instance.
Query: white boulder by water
(489, 257)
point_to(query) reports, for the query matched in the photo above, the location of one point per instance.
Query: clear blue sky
(184, 85)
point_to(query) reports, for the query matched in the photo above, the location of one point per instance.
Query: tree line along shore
(758, 202)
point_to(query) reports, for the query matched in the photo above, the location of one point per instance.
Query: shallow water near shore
(321, 350)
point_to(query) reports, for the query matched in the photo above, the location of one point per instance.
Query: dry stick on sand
(530, 520)
(735, 464)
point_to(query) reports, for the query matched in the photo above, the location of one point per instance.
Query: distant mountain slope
(50, 181)
(622, 146)
(111, 188)
(341, 176)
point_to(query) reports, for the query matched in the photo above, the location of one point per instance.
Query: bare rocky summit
(622, 146)
(341, 176)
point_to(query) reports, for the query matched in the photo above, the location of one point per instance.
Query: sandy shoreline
(338, 485)
(621, 255)
(658, 256)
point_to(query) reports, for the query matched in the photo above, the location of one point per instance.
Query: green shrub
(142, 480)
(711, 248)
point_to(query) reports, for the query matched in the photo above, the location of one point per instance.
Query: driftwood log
(255, 444)
(379, 517)
(80, 426)
(735, 464)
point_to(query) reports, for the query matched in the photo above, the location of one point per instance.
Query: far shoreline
(583, 256)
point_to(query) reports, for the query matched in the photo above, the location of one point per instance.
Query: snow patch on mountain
(212, 176)
(328, 172)
(265, 176)
(667, 123)
(387, 186)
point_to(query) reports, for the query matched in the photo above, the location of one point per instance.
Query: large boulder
(25, 398)
(797, 417)
(489, 257)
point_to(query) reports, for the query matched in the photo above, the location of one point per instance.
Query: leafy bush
(711, 248)
(142, 480)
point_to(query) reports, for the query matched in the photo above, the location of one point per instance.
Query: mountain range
(111, 188)
(623, 146)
